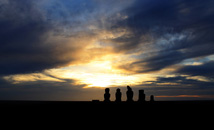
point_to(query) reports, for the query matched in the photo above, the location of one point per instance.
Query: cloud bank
(142, 36)
(46, 34)
(39, 35)
(165, 33)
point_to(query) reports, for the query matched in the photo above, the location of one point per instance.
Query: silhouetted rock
(107, 95)
(152, 98)
(142, 96)
(118, 95)
(129, 94)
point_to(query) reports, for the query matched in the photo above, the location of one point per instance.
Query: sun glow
(108, 80)
(98, 82)
(98, 73)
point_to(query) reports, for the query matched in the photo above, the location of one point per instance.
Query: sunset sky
(73, 49)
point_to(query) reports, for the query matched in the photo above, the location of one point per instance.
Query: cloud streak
(205, 70)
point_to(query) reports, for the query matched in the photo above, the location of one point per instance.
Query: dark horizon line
(211, 100)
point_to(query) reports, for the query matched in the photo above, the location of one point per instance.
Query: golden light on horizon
(93, 74)
(100, 74)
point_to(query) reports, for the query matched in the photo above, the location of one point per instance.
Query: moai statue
(142, 96)
(129, 94)
(107, 95)
(152, 99)
(118, 95)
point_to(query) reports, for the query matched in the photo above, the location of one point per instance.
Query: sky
(71, 50)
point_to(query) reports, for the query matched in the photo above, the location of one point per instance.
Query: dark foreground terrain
(39, 104)
(87, 106)
(100, 115)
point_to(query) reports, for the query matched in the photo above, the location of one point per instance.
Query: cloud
(184, 83)
(33, 39)
(179, 87)
(26, 40)
(44, 90)
(205, 70)
(165, 33)
(50, 34)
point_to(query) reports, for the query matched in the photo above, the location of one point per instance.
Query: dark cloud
(156, 62)
(32, 40)
(174, 31)
(185, 82)
(179, 85)
(43, 90)
(35, 35)
(205, 70)
(39, 35)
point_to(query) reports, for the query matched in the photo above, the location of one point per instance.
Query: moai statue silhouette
(107, 95)
(118, 95)
(142, 96)
(152, 98)
(129, 94)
